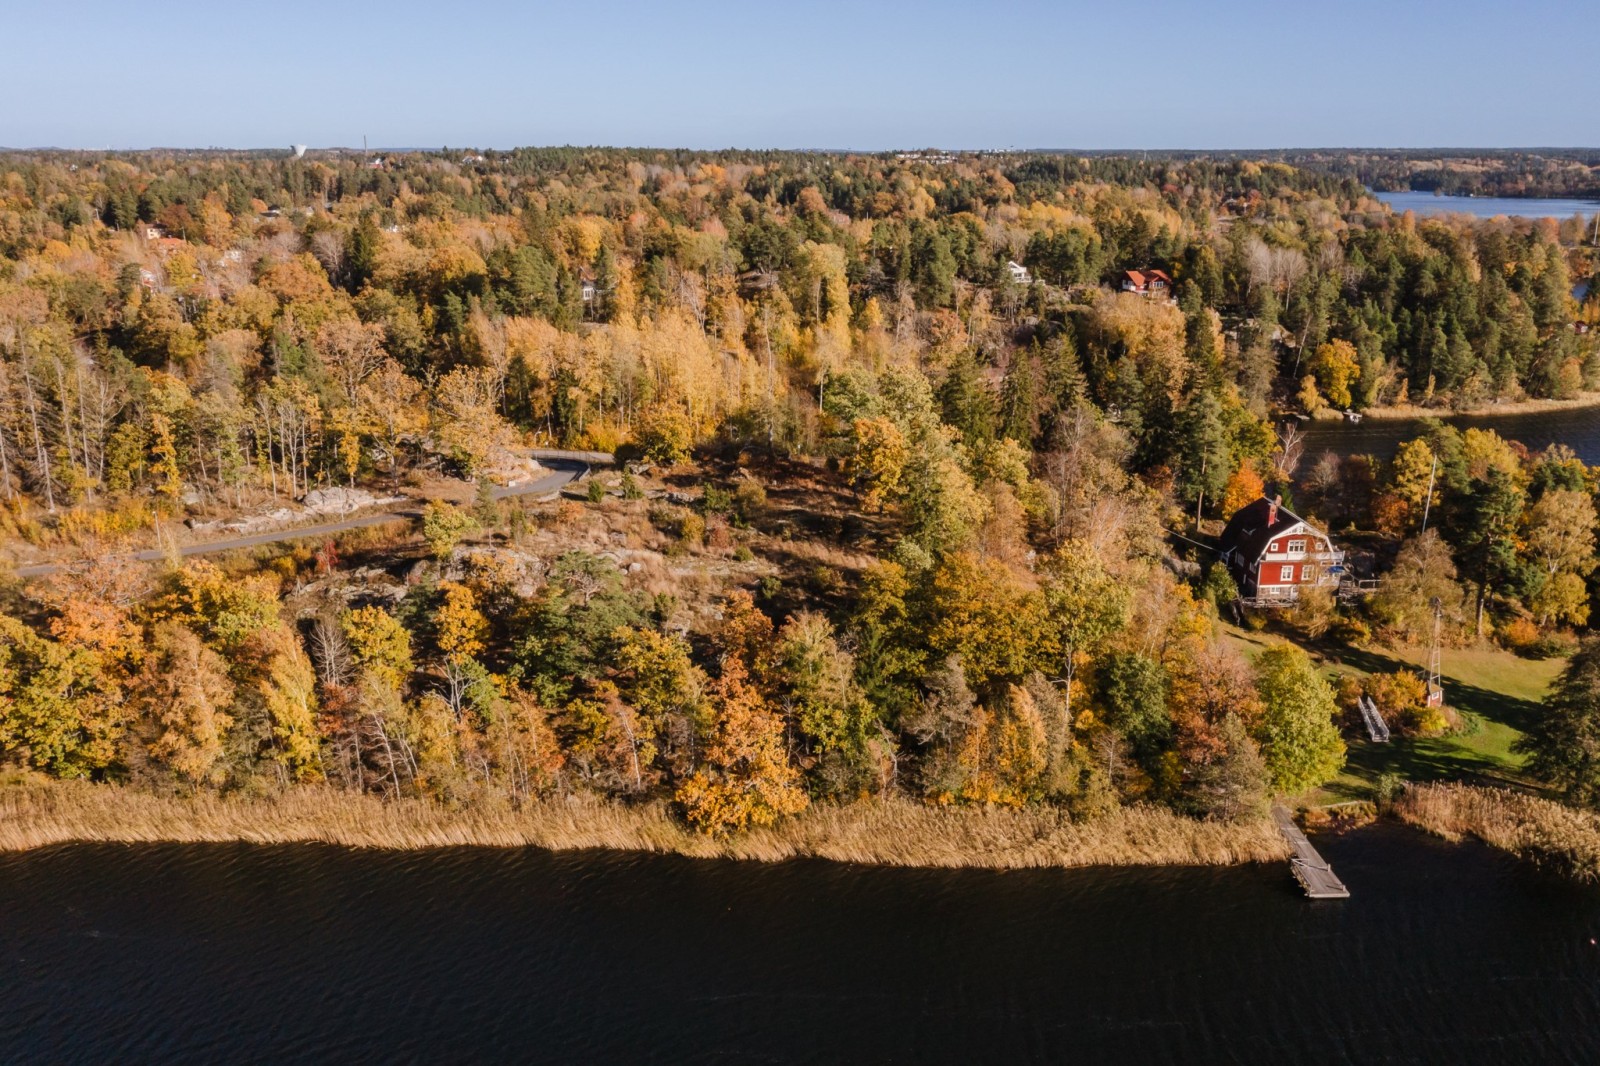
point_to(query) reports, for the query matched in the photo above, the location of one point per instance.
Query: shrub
(825, 580)
(596, 492)
(1402, 699)
(1519, 635)
(1314, 611)
(1552, 645)
(679, 522)
(1353, 630)
(630, 487)
(1388, 788)
(666, 437)
(742, 554)
(749, 500)
(716, 501)
(485, 508)
(1218, 587)
(443, 526)
(568, 514)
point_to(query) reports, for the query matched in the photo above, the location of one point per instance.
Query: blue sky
(823, 74)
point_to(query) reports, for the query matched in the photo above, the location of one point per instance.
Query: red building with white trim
(1272, 553)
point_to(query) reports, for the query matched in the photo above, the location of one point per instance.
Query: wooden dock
(1313, 873)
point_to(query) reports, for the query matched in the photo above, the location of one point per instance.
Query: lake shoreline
(1540, 831)
(889, 832)
(1404, 412)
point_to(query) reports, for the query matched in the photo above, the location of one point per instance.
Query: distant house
(1272, 553)
(152, 232)
(1147, 282)
(1019, 273)
(754, 281)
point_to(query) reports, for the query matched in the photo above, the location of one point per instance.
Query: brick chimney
(1272, 510)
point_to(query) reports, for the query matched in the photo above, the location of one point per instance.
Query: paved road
(562, 470)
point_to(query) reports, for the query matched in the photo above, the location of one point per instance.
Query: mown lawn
(1503, 691)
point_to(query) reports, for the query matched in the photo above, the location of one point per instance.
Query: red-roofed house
(1147, 282)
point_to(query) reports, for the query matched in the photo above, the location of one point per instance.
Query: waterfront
(1576, 427)
(182, 953)
(1426, 203)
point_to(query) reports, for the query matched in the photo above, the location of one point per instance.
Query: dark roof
(1247, 533)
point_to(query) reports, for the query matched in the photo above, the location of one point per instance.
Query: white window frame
(1286, 574)
(1308, 573)
(1297, 545)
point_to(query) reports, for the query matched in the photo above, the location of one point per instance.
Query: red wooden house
(1272, 553)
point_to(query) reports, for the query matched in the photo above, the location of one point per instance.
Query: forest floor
(1497, 691)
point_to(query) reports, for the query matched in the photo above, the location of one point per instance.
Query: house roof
(1142, 278)
(1248, 532)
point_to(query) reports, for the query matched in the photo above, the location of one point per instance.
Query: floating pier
(1310, 869)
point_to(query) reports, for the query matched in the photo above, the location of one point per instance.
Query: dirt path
(562, 469)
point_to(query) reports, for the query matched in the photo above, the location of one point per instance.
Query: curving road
(563, 468)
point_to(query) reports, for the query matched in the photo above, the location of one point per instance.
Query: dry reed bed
(890, 832)
(1539, 830)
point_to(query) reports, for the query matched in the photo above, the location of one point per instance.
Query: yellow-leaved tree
(289, 689)
(1244, 487)
(746, 779)
(459, 631)
(185, 693)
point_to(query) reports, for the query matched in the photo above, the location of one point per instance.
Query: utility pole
(1427, 504)
(1200, 498)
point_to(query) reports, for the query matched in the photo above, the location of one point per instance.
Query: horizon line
(1011, 150)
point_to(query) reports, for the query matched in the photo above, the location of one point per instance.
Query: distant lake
(1426, 203)
(1576, 427)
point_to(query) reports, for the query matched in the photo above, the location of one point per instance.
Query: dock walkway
(1313, 873)
(1377, 728)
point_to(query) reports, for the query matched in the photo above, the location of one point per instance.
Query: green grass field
(1501, 690)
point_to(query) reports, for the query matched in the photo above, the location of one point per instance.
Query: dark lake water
(1576, 427)
(1425, 203)
(234, 953)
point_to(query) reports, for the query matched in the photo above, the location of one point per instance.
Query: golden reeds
(884, 832)
(1544, 832)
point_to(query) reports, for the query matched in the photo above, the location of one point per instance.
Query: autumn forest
(907, 479)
